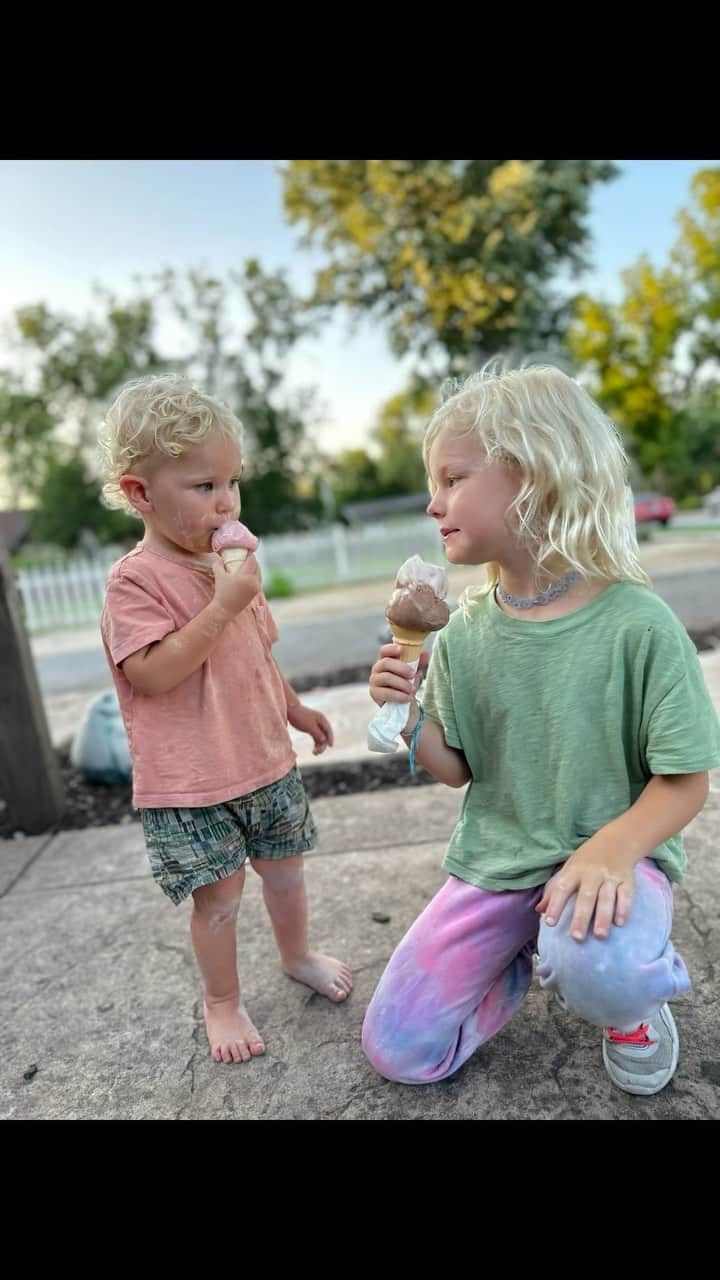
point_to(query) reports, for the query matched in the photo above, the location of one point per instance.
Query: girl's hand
(603, 885)
(392, 680)
(313, 722)
(234, 591)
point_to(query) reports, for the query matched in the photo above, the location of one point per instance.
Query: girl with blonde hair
(569, 697)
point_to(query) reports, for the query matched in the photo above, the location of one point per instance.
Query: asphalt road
(310, 648)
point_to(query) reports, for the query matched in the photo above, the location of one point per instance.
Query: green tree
(238, 332)
(26, 426)
(353, 476)
(652, 358)
(65, 369)
(399, 436)
(394, 463)
(231, 335)
(693, 466)
(69, 502)
(696, 258)
(456, 257)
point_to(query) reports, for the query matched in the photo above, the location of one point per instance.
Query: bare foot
(329, 977)
(231, 1034)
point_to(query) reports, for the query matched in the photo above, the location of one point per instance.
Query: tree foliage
(69, 503)
(456, 257)
(394, 465)
(230, 335)
(652, 359)
(399, 436)
(353, 477)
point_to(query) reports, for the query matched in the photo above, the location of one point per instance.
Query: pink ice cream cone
(234, 542)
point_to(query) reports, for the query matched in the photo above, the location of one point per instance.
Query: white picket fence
(70, 592)
(64, 594)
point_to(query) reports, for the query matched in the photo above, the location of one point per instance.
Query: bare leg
(286, 902)
(231, 1034)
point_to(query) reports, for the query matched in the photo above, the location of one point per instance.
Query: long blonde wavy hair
(574, 500)
(161, 414)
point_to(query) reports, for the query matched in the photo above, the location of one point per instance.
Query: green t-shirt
(562, 724)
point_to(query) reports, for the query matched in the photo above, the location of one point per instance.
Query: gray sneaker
(644, 1060)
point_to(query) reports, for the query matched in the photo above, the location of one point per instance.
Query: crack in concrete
(30, 863)
(695, 909)
(561, 1058)
(703, 933)
(276, 1072)
(199, 1025)
(440, 838)
(357, 1095)
(171, 946)
(79, 884)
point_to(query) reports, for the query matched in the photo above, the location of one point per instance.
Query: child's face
(191, 496)
(470, 500)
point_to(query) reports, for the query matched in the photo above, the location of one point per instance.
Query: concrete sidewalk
(102, 1002)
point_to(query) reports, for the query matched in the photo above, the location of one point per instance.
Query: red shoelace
(638, 1037)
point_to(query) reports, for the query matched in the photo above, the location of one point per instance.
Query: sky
(66, 224)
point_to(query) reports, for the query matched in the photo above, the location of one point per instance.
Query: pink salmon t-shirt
(222, 732)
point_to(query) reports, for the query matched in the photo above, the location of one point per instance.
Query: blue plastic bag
(100, 746)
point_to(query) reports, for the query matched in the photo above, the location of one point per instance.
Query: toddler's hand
(307, 720)
(234, 591)
(392, 680)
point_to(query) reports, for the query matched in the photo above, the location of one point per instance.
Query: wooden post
(31, 791)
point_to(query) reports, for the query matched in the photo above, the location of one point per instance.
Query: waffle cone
(412, 642)
(233, 557)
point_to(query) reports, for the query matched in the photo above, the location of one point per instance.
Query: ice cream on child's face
(417, 603)
(189, 496)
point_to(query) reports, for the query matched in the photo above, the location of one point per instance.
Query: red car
(653, 506)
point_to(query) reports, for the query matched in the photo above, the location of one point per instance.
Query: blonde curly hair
(574, 500)
(160, 414)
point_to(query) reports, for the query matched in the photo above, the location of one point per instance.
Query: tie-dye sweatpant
(465, 966)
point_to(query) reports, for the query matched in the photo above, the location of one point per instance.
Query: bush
(278, 585)
(693, 502)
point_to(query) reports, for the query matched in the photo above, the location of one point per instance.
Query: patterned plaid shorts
(191, 847)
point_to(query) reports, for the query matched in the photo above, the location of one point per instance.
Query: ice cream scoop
(417, 605)
(234, 542)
